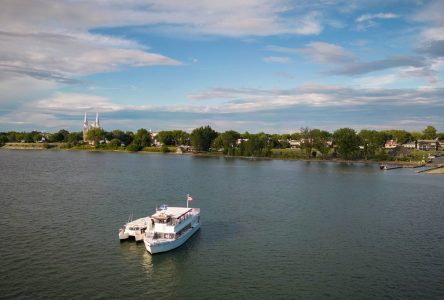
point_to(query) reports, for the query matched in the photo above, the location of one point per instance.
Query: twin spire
(96, 124)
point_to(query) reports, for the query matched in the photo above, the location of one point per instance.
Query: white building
(87, 126)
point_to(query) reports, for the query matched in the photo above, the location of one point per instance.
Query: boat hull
(170, 245)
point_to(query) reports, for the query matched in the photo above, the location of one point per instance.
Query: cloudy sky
(256, 65)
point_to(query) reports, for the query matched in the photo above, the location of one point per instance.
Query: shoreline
(27, 147)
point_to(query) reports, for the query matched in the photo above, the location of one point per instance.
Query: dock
(430, 169)
(394, 167)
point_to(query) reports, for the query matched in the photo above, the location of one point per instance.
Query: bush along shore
(345, 144)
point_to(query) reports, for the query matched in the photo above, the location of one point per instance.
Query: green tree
(320, 140)
(307, 141)
(166, 137)
(371, 140)
(202, 138)
(96, 135)
(12, 137)
(3, 139)
(416, 135)
(133, 147)
(256, 145)
(401, 136)
(295, 136)
(347, 142)
(142, 138)
(114, 144)
(125, 137)
(429, 133)
(60, 136)
(75, 137)
(227, 142)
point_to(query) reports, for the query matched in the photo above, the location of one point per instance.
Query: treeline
(344, 143)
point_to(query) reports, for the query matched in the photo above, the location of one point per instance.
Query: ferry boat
(171, 227)
(134, 229)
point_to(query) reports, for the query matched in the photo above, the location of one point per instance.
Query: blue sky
(253, 65)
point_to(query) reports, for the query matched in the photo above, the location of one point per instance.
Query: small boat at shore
(171, 227)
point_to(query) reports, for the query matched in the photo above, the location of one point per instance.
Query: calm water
(271, 229)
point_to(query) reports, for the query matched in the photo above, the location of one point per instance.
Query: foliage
(202, 137)
(124, 137)
(227, 141)
(347, 143)
(114, 144)
(401, 136)
(133, 147)
(3, 139)
(429, 133)
(320, 139)
(371, 140)
(75, 137)
(96, 135)
(142, 138)
(173, 137)
(60, 136)
(164, 149)
(256, 145)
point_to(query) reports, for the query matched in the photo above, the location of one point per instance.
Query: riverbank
(172, 150)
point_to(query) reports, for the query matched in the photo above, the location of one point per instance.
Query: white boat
(171, 227)
(134, 229)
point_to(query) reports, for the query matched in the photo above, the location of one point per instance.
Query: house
(295, 143)
(410, 145)
(441, 144)
(391, 144)
(427, 145)
(240, 141)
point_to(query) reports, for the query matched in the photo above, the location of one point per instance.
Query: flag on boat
(189, 198)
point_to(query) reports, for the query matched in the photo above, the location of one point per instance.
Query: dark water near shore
(271, 229)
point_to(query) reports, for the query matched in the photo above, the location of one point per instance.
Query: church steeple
(97, 123)
(85, 121)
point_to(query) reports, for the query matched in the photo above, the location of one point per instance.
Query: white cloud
(231, 18)
(376, 81)
(277, 59)
(326, 53)
(368, 17)
(433, 34)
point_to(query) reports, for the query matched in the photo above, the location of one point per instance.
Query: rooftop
(173, 212)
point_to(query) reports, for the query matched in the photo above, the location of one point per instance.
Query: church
(87, 127)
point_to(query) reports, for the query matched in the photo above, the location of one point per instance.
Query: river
(271, 229)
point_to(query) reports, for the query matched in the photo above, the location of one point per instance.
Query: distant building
(391, 144)
(295, 143)
(410, 145)
(427, 145)
(87, 127)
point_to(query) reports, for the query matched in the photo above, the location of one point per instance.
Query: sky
(250, 65)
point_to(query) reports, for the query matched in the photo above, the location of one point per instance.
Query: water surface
(271, 229)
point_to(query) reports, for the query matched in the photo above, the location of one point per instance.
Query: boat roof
(173, 212)
(139, 222)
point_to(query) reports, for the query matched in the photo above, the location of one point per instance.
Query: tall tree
(320, 139)
(202, 137)
(227, 142)
(142, 138)
(347, 143)
(307, 140)
(371, 140)
(96, 135)
(429, 133)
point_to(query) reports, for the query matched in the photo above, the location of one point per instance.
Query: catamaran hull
(170, 245)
